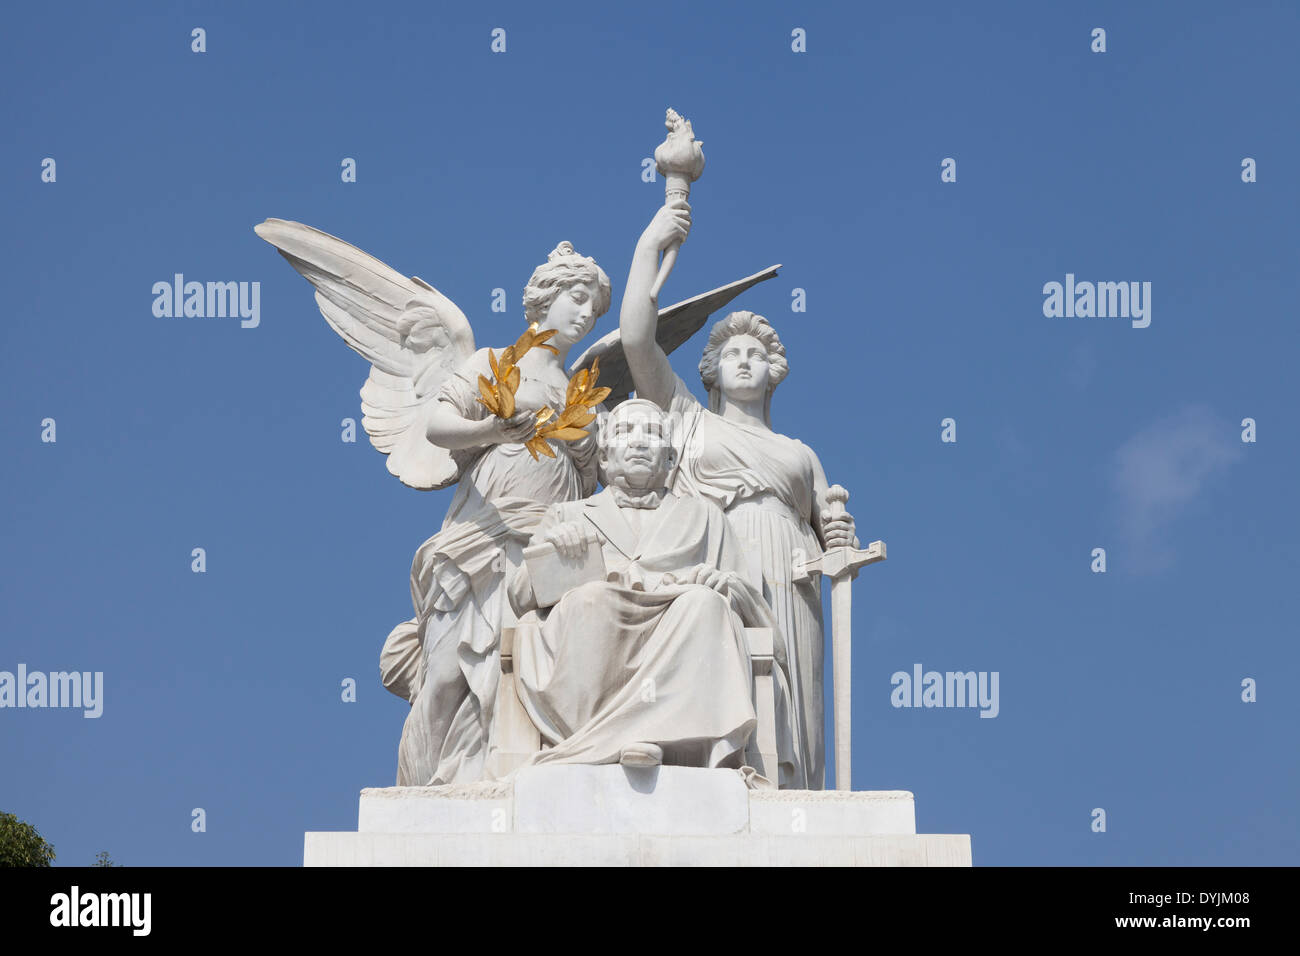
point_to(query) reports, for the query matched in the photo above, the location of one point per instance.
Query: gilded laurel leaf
(507, 396)
(577, 385)
(569, 434)
(487, 395)
(575, 416)
(527, 340)
(545, 448)
(492, 360)
(596, 396)
(512, 379)
(544, 414)
(567, 416)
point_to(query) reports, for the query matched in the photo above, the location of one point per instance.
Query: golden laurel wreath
(581, 396)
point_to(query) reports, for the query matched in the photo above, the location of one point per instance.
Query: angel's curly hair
(563, 268)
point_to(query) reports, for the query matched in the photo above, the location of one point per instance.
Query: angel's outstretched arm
(651, 373)
(446, 427)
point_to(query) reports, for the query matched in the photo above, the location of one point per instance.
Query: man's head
(636, 450)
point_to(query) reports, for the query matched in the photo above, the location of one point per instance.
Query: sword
(841, 566)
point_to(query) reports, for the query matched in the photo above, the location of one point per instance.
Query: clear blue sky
(1119, 690)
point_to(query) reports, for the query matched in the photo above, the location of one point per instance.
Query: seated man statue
(647, 663)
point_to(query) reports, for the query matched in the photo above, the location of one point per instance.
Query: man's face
(635, 449)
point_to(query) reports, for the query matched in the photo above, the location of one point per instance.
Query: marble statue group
(618, 580)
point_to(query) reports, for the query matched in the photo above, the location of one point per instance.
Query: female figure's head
(567, 293)
(744, 361)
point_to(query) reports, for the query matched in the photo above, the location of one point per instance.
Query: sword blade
(842, 651)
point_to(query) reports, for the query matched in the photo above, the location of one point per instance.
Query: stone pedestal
(616, 816)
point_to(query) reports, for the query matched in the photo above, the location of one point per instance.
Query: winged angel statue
(424, 407)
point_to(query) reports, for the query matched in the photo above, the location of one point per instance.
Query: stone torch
(680, 160)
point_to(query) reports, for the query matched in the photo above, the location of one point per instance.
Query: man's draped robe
(639, 658)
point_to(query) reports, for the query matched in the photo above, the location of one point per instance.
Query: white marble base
(612, 816)
(489, 849)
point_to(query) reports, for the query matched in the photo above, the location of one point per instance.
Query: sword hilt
(839, 561)
(836, 497)
(835, 562)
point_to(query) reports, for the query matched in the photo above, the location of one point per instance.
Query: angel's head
(743, 360)
(567, 293)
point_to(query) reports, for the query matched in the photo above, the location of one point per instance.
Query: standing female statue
(772, 487)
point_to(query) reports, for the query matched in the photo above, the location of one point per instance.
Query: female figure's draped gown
(446, 660)
(765, 483)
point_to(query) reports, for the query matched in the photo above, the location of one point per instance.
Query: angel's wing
(413, 336)
(677, 323)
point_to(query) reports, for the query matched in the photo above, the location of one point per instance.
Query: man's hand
(708, 576)
(570, 539)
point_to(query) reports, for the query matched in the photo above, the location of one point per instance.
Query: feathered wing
(412, 335)
(677, 323)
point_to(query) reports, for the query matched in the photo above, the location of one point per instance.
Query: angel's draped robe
(446, 660)
(638, 658)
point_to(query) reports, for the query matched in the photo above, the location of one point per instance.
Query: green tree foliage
(21, 845)
(103, 859)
